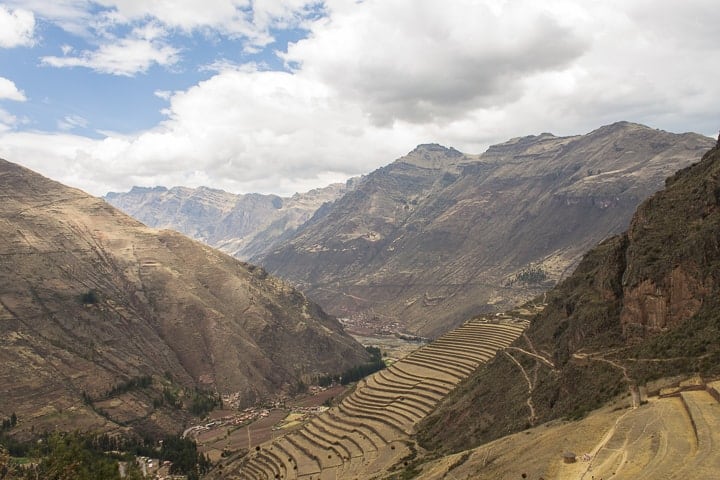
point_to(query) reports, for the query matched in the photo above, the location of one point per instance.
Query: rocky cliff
(640, 306)
(439, 236)
(94, 304)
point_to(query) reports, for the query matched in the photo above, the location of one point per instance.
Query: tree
(4, 462)
(90, 297)
(67, 457)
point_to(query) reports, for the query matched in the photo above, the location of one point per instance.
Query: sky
(281, 96)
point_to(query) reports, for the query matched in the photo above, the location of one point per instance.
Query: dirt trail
(656, 442)
(532, 417)
(582, 470)
(534, 355)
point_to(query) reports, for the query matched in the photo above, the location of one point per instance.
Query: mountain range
(109, 325)
(241, 225)
(439, 236)
(613, 373)
(640, 311)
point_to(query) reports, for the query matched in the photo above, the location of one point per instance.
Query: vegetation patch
(91, 297)
(530, 275)
(357, 372)
(82, 456)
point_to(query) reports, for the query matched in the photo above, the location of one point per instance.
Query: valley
(113, 328)
(438, 236)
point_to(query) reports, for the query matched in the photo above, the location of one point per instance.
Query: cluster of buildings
(152, 468)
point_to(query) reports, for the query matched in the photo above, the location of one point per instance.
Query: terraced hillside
(367, 432)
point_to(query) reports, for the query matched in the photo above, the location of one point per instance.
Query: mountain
(439, 236)
(641, 306)
(104, 320)
(240, 225)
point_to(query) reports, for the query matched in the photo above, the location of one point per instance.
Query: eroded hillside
(240, 225)
(641, 306)
(93, 303)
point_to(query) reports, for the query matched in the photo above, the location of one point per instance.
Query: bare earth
(655, 441)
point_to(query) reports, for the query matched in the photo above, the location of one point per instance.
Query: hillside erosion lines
(368, 432)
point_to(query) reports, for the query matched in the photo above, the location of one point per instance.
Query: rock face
(91, 299)
(241, 225)
(439, 236)
(640, 306)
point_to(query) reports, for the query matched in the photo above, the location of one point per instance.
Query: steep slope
(91, 299)
(438, 236)
(640, 306)
(241, 225)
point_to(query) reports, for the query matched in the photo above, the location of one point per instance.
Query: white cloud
(8, 91)
(71, 15)
(17, 27)
(419, 61)
(377, 77)
(252, 20)
(71, 122)
(142, 49)
(163, 94)
(242, 131)
(152, 22)
(7, 121)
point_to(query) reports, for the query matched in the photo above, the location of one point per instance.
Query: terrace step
(408, 371)
(371, 416)
(356, 439)
(448, 358)
(285, 466)
(384, 410)
(332, 435)
(406, 398)
(418, 394)
(410, 411)
(367, 430)
(430, 369)
(438, 364)
(328, 454)
(305, 462)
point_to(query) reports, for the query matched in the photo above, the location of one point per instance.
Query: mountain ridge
(91, 299)
(241, 225)
(443, 235)
(641, 306)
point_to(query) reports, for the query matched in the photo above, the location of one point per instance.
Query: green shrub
(91, 297)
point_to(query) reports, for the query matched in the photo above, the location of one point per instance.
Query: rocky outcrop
(652, 308)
